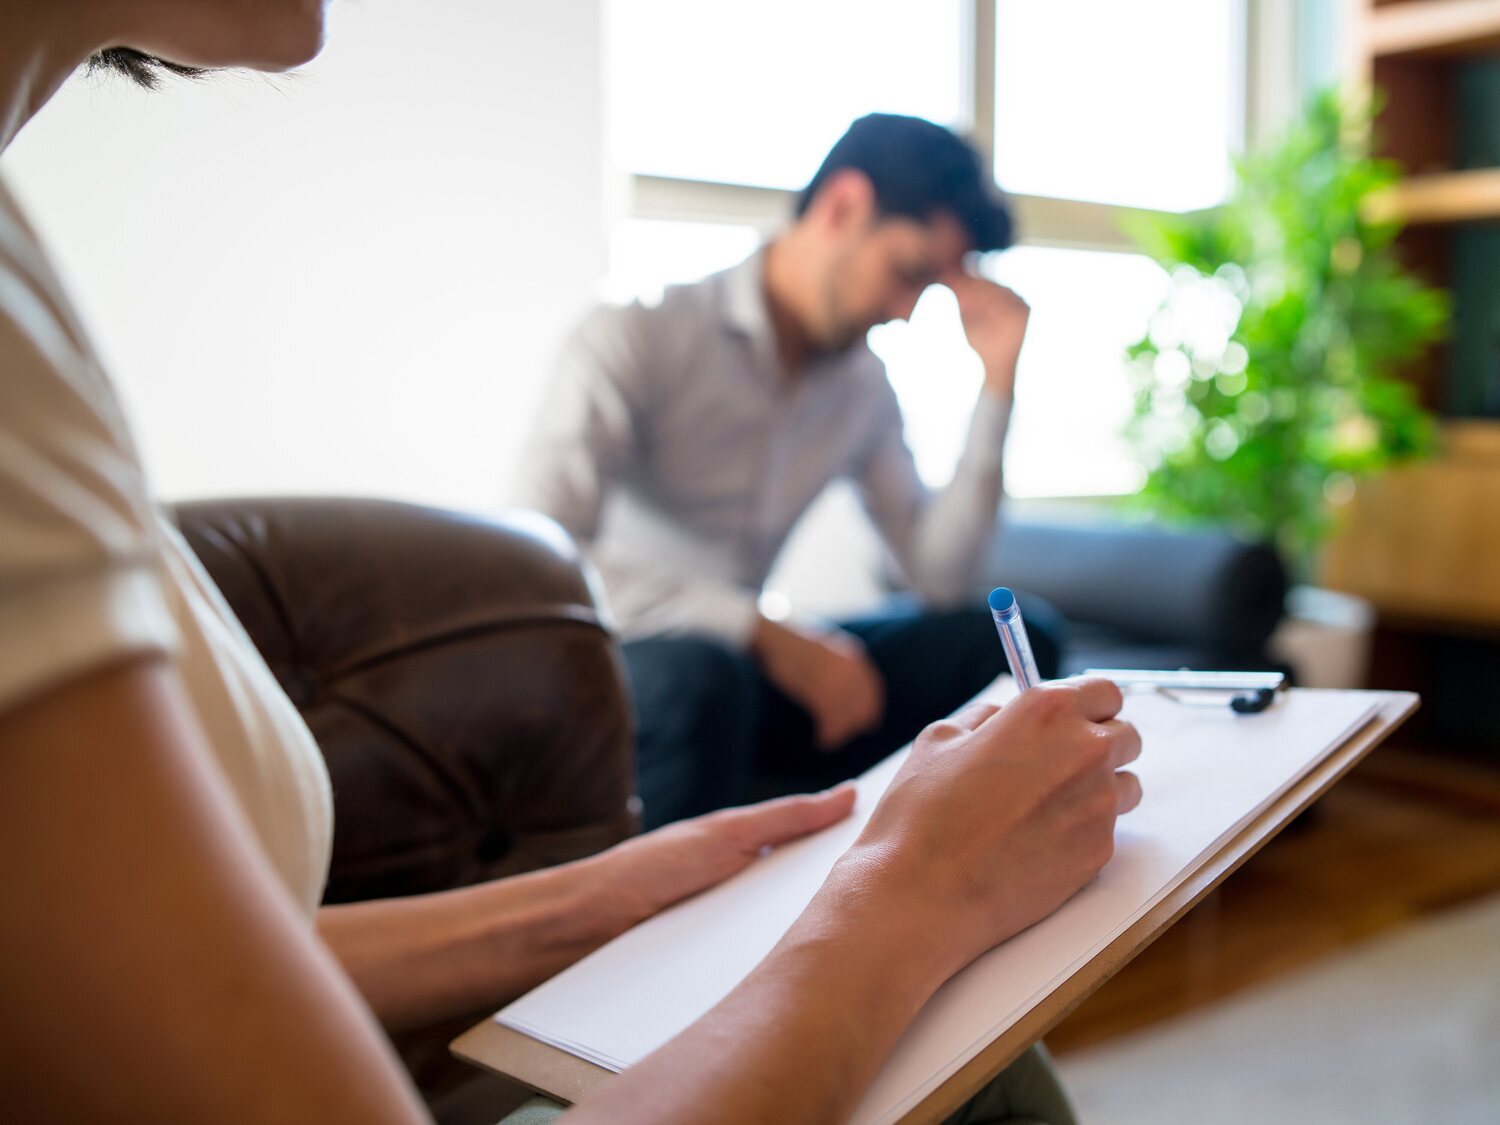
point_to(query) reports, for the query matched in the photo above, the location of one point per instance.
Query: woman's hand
(645, 875)
(426, 958)
(997, 818)
(994, 820)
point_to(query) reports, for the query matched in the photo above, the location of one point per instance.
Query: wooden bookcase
(1423, 542)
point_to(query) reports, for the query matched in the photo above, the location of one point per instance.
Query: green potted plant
(1268, 379)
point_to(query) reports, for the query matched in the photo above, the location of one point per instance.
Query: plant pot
(1326, 637)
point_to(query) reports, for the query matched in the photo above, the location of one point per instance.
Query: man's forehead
(941, 238)
(950, 238)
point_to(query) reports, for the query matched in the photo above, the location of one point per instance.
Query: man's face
(877, 274)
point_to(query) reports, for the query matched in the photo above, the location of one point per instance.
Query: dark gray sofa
(1143, 596)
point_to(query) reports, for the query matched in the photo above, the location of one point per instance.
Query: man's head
(895, 207)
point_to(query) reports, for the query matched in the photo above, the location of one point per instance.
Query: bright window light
(1125, 103)
(1072, 394)
(758, 93)
(647, 255)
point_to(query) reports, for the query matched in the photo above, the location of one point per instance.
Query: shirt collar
(744, 299)
(742, 303)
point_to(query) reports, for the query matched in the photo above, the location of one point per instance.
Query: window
(757, 93)
(1141, 110)
(1071, 398)
(647, 255)
(1139, 105)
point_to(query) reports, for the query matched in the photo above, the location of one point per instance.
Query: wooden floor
(1409, 831)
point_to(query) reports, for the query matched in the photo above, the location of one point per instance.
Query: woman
(165, 816)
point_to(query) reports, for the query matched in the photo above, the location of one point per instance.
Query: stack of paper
(1206, 774)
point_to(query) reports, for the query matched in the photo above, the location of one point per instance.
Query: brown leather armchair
(469, 702)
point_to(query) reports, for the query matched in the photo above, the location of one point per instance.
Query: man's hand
(828, 673)
(996, 819)
(645, 875)
(994, 320)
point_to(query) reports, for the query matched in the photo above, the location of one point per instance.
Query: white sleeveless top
(90, 573)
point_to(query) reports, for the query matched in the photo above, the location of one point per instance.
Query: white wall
(349, 280)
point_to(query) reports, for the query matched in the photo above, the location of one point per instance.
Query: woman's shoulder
(45, 357)
(79, 549)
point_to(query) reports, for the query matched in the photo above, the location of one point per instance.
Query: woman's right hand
(993, 821)
(998, 817)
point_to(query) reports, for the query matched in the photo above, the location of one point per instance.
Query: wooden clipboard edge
(985, 1066)
(547, 1069)
(558, 1074)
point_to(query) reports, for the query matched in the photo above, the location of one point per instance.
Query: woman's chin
(279, 36)
(292, 55)
(291, 47)
(300, 34)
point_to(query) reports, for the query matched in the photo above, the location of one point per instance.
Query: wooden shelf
(1434, 27)
(1419, 541)
(1441, 197)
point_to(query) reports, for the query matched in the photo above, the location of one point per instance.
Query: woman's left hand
(649, 873)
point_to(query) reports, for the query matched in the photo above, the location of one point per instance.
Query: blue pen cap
(1013, 639)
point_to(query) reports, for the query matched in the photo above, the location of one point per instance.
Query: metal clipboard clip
(1245, 693)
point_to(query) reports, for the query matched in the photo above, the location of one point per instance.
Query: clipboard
(567, 1077)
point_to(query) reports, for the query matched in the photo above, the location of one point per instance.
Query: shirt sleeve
(937, 538)
(80, 573)
(592, 431)
(590, 428)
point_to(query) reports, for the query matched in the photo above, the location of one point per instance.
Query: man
(681, 443)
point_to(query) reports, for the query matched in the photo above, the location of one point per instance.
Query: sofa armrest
(468, 701)
(1199, 589)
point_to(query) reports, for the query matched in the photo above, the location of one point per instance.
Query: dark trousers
(714, 732)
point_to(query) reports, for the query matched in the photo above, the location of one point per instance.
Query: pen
(1013, 639)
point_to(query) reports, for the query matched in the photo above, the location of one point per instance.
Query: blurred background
(352, 280)
(430, 204)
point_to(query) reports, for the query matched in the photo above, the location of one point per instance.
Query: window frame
(1270, 89)
(1272, 73)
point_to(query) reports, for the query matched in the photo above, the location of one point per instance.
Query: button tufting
(492, 845)
(300, 685)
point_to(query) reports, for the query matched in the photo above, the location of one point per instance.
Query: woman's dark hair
(144, 70)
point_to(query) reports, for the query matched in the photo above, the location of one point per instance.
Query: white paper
(1205, 773)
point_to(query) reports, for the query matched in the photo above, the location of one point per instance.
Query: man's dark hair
(917, 170)
(144, 70)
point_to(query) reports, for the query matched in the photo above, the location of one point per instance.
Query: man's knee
(939, 658)
(695, 701)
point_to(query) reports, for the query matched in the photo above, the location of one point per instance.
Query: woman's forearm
(432, 957)
(800, 1039)
(428, 958)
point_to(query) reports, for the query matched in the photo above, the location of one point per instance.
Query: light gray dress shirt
(674, 449)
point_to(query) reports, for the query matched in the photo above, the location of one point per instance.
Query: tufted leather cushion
(468, 700)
